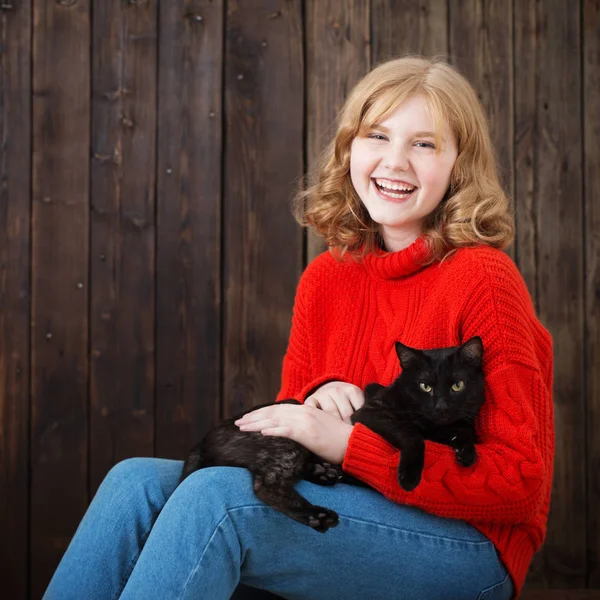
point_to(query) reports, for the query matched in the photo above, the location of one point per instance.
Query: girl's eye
(459, 386)
(376, 136)
(425, 145)
(425, 387)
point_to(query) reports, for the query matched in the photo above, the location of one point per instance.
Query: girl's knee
(229, 486)
(130, 471)
(151, 476)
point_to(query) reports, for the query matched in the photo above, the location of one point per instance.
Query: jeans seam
(419, 533)
(367, 522)
(212, 537)
(488, 591)
(133, 561)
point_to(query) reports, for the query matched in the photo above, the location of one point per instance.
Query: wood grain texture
(525, 143)
(189, 224)
(262, 249)
(15, 215)
(591, 139)
(337, 56)
(481, 48)
(122, 234)
(59, 315)
(558, 276)
(408, 27)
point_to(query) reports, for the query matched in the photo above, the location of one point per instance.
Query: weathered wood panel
(526, 156)
(59, 315)
(408, 27)
(262, 245)
(15, 177)
(189, 224)
(337, 56)
(591, 148)
(555, 272)
(122, 234)
(481, 48)
(525, 140)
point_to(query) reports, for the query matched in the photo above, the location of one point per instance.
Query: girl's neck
(396, 240)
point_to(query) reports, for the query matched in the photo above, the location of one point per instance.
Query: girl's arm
(298, 380)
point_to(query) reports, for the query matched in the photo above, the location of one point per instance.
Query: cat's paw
(321, 519)
(323, 473)
(466, 455)
(409, 479)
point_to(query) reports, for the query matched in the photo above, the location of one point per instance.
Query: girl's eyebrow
(428, 134)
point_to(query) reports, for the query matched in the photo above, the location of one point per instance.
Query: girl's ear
(407, 356)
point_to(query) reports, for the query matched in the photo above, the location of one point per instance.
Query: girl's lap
(378, 550)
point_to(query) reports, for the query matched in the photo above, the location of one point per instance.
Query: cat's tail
(192, 463)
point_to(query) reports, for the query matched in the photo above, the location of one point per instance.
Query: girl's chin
(387, 218)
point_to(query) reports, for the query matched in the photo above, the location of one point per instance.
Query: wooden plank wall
(148, 258)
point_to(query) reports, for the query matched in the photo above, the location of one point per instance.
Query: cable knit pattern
(347, 316)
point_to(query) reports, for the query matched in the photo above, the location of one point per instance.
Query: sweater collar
(396, 265)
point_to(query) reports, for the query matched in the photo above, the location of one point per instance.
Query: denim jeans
(144, 538)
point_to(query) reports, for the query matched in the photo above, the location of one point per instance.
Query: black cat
(437, 396)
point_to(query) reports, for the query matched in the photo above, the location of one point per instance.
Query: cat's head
(444, 384)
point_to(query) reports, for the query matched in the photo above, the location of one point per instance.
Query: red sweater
(347, 316)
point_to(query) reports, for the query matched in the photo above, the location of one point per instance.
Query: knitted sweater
(347, 316)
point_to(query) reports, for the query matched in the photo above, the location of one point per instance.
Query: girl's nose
(396, 158)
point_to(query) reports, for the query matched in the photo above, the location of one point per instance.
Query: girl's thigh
(378, 550)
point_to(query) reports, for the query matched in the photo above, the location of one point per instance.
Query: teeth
(394, 186)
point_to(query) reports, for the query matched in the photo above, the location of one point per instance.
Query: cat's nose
(441, 404)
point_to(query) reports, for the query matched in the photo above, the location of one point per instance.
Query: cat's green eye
(425, 387)
(459, 386)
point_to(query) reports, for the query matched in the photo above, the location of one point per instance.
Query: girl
(407, 198)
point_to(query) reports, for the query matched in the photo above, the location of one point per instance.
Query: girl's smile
(394, 191)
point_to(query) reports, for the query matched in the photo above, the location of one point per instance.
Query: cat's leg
(410, 443)
(412, 459)
(463, 443)
(282, 496)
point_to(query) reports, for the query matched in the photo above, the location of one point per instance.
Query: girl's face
(398, 174)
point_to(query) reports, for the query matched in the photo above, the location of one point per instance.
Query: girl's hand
(337, 398)
(318, 431)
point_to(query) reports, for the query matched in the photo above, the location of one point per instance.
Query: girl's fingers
(259, 425)
(357, 399)
(278, 431)
(346, 410)
(329, 405)
(255, 415)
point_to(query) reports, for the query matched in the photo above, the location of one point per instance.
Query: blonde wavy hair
(475, 209)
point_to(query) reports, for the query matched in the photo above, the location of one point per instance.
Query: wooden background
(148, 258)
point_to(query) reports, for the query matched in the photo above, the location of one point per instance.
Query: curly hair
(475, 210)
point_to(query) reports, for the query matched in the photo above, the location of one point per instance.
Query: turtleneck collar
(396, 265)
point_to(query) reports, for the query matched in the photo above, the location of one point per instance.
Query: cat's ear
(407, 356)
(471, 351)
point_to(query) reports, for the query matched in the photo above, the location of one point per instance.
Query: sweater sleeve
(299, 378)
(512, 475)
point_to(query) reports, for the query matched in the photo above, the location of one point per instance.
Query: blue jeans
(144, 538)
